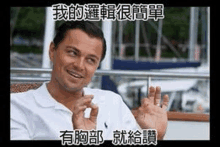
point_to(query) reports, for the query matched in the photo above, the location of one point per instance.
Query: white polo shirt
(36, 115)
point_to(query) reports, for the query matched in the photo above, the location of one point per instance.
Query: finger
(151, 94)
(135, 108)
(157, 96)
(79, 110)
(145, 101)
(84, 100)
(78, 116)
(145, 107)
(81, 104)
(87, 102)
(94, 112)
(165, 102)
(88, 97)
(134, 112)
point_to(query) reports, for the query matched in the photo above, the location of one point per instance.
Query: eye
(91, 60)
(72, 52)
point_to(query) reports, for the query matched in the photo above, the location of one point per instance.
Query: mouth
(74, 74)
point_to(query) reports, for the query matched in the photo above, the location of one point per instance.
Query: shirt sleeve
(128, 120)
(123, 117)
(18, 122)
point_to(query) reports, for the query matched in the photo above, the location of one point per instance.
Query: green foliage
(176, 23)
(26, 49)
(175, 26)
(30, 22)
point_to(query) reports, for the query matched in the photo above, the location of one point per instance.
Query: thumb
(94, 112)
(134, 112)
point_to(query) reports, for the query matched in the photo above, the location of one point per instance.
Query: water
(187, 130)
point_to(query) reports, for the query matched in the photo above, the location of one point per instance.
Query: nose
(79, 64)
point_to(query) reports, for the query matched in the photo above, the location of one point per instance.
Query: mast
(137, 31)
(48, 37)
(193, 32)
(107, 30)
(159, 33)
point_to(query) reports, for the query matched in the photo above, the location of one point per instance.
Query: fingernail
(165, 96)
(91, 96)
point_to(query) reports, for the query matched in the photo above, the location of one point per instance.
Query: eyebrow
(73, 47)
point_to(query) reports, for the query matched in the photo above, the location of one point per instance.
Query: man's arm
(18, 131)
(18, 122)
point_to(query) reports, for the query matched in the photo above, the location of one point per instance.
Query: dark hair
(88, 27)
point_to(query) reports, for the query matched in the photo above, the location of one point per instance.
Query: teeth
(75, 75)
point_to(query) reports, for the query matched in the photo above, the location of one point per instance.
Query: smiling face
(75, 60)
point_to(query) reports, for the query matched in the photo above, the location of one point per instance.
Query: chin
(73, 87)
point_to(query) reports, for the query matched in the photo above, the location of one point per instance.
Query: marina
(185, 79)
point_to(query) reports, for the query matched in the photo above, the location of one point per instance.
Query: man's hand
(151, 114)
(79, 121)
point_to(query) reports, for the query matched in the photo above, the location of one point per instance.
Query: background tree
(29, 22)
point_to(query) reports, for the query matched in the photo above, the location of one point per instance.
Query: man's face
(75, 60)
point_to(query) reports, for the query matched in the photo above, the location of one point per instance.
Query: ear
(52, 51)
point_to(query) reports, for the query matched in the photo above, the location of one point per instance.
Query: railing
(129, 73)
(139, 74)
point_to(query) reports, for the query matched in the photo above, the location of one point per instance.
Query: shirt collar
(43, 97)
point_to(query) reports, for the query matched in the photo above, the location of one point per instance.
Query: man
(64, 103)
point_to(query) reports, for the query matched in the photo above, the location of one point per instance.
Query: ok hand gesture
(152, 114)
(79, 121)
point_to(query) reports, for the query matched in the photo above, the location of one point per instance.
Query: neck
(63, 96)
